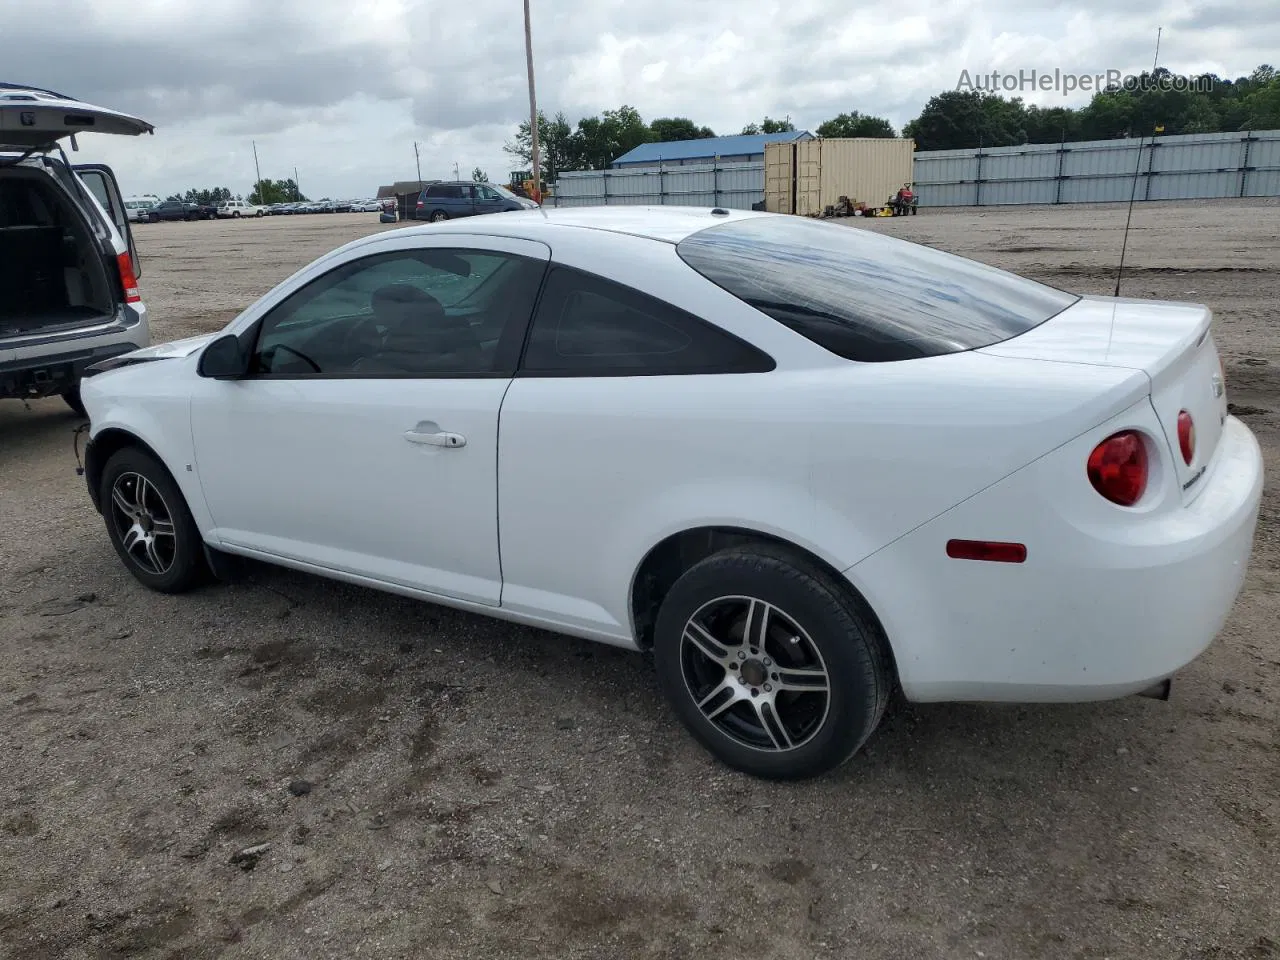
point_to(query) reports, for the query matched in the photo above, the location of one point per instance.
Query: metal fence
(731, 185)
(1195, 166)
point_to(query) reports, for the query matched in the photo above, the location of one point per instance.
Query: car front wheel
(149, 523)
(770, 662)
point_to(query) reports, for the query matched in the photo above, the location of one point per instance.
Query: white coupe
(801, 462)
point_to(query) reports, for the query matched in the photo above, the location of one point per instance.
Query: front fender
(135, 403)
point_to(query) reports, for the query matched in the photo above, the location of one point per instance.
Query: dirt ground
(465, 788)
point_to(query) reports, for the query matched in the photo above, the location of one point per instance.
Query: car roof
(662, 223)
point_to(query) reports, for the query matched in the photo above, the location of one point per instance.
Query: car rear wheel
(149, 523)
(770, 663)
(439, 215)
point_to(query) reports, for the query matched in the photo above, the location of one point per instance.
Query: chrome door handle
(441, 439)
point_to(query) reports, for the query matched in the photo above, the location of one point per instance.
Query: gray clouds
(342, 91)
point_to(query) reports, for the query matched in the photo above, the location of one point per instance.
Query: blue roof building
(722, 149)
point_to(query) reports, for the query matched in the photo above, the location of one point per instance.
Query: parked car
(137, 207)
(803, 464)
(68, 265)
(235, 209)
(466, 198)
(174, 210)
(207, 210)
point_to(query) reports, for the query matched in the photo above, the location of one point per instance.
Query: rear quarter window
(865, 296)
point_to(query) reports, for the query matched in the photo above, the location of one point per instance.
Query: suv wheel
(770, 663)
(438, 215)
(149, 523)
(72, 398)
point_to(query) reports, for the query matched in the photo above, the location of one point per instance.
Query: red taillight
(994, 551)
(124, 262)
(1118, 468)
(1186, 437)
(420, 203)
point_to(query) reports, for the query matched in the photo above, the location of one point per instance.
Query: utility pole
(533, 108)
(297, 186)
(418, 163)
(257, 172)
(456, 174)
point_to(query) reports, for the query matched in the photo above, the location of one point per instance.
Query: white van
(68, 265)
(137, 207)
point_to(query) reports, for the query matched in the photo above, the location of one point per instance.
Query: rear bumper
(54, 373)
(1098, 610)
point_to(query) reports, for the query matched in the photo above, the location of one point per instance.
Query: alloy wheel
(144, 523)
(755, 674)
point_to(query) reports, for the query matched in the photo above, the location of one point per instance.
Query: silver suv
(68, 266)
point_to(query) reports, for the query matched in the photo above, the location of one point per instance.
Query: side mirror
(224, 359)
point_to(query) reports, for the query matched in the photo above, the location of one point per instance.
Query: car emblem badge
(27, 118)
(1217, 386)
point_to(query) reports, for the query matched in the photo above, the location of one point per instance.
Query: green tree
(668, 129)
(479, 176)
(204, 195)
(1180, 105)
(276, 191)
(555, 145)
(855, 124)
(770, 125)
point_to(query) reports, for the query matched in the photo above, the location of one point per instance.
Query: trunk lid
(31, 118)
(1170, 342)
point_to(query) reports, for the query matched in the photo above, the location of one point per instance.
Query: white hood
(174, 349)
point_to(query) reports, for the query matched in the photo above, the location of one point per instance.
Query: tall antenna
(1137, 166)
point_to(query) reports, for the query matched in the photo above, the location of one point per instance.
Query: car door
(463, 203)
(363, 439)
(487, 199)
(102, 183)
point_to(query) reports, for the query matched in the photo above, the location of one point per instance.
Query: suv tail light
(1186, 437)
(1118, 468)
(124, 263)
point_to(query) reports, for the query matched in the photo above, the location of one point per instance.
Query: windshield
(865, 296)
(504, 192)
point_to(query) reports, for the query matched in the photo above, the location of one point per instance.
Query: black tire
(805, 603)
(437, 216)
(235, 214)
(72, 398)
(187, 567)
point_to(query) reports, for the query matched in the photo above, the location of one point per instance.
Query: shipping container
(867, 170)
(780, 177)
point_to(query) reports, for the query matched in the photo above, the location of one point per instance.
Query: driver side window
(424, 312)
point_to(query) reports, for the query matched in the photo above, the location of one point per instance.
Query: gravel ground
(410, 782)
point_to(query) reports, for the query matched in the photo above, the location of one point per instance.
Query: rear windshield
(865, 296)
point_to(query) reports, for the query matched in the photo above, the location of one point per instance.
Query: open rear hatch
(32, 119)
(1169, 341)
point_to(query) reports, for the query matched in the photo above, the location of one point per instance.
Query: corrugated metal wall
(732, 185)
(1196, 166)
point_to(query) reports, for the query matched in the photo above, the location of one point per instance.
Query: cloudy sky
(342, 90)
